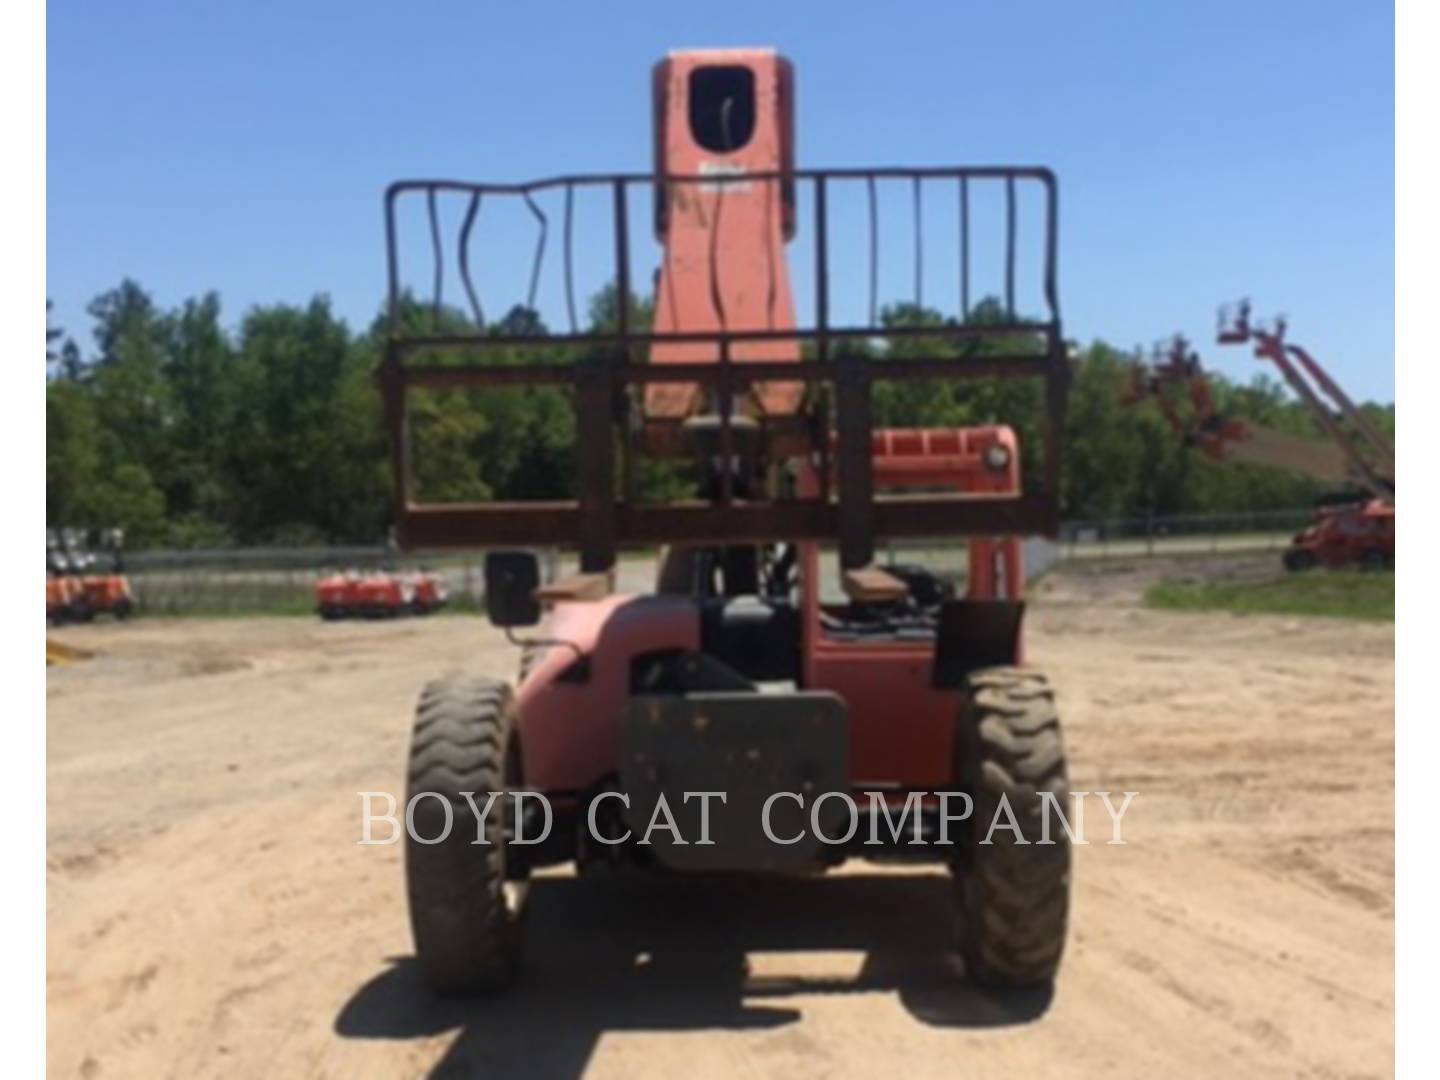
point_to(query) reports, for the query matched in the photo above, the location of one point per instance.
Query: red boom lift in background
(1350, 529)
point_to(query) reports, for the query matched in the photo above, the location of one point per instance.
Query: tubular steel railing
(610, 363)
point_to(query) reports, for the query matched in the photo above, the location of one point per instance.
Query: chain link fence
(282, 580)
(277, 580)
(1189, 535)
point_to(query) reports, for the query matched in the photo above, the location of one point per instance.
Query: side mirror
(511, 578)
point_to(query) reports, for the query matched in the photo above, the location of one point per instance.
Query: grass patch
(1344, 594)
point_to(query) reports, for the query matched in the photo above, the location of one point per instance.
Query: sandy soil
(210, 912)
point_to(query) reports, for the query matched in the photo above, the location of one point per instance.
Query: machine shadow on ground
(669, 954)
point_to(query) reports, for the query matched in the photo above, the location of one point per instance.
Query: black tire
(1014, 898)
(466, 929)
(124, 609)
(1298, 560)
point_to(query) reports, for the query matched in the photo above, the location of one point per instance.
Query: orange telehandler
(741, 671)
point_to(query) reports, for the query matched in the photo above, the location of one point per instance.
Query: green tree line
(187, 432)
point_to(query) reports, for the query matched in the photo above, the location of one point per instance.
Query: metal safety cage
(611, 363)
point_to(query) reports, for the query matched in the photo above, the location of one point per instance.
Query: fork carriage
(610, 371)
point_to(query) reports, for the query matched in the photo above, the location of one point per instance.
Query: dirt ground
(210, 912)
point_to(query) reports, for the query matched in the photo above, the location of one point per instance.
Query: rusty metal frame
(598, 522)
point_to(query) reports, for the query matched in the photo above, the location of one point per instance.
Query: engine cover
(749, 746)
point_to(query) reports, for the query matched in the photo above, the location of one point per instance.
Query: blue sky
(1205, 150)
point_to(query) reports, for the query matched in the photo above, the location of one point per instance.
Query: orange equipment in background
(76, 588)
(1355, 528)
(378, 594)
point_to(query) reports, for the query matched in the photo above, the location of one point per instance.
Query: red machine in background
(77, 586)
(378, 594)
(65, 599)
(1355, 527)
(1347, 534)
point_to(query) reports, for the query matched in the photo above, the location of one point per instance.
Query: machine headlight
(997, 457)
